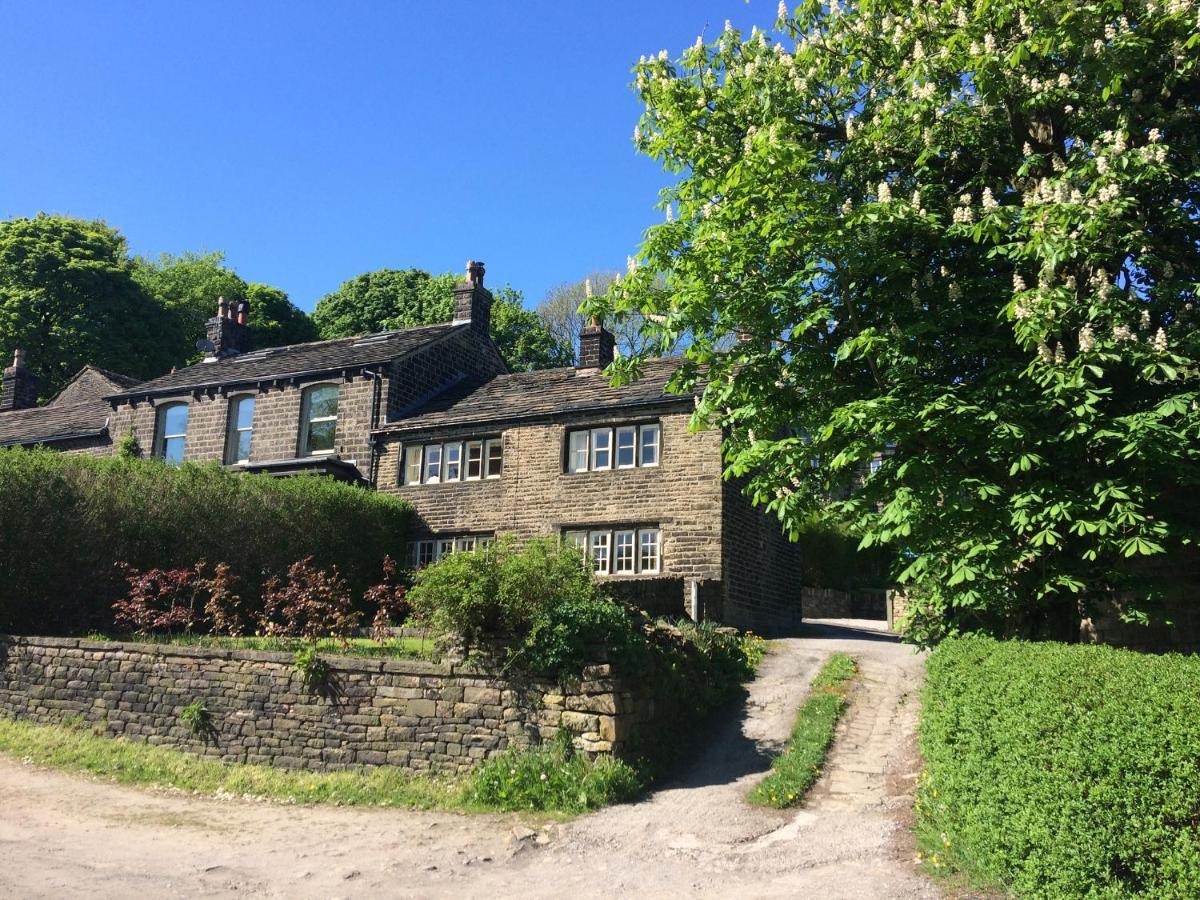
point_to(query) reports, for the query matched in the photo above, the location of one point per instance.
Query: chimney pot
(243, 312)
(228, 331)
(472, 301)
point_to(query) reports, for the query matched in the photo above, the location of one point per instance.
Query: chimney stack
(596, 345)
(19, 387)
(472, 301)
(229, 329)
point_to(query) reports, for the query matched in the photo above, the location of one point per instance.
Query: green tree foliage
(187, 287)
(405, 298)
(68, 298)
(965, 233)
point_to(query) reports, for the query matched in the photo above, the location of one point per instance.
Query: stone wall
(762, 567)
(418, 715)
(832, 603)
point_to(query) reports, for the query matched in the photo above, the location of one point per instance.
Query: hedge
(1059, 770)
(66, 521)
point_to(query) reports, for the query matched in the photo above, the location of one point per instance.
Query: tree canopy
(387, 299)
(560, 313)
(68, 297)
(957, 243)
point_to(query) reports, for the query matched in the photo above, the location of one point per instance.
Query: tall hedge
(66, 521)
(1062, 771)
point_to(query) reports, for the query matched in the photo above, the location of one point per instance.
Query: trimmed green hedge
(65, 521)
(1059, 770)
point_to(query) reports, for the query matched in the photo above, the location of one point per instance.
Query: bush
(552, 778)
(66, 520)
(1062, 771)
(311, 603)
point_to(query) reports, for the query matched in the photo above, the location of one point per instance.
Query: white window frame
(578, 451)
(413, 457)
(621, 564)
(307, 420)
(652, 428)
(455, 449)
(445, 546)
(474, 456)
(642, 567)
(233, 431)
(630, 431)
(600, 540)
(578, 539)
(489, 445)
(432, 465)
(596, 450)
(161, 436)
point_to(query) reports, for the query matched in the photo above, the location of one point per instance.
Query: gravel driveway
(64, 836)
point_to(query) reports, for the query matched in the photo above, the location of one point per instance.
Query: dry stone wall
(424, 716)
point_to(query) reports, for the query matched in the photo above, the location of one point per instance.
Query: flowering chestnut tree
(957, 244)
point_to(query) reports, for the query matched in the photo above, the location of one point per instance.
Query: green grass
(545, 779)
(402, 647)
(795, 770)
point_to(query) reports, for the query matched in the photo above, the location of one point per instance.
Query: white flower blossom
(1026, 149)
(1123, 333)
(1064, 80)
(1060, 355)
(885, 192)
(989, 202)
(631, 265)
(783, 9)
(637, 133)
(916, 198)
(1154, 136)
(989, 42)
(1087, 339)
(1160, 341)
(1145, 320)
(847, 207)
(1044, 351)
(1102, 165)
(1018, 282)
(954, 292)
(587, 288)
(1022, 310)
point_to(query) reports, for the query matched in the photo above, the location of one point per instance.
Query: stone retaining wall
(419, 715)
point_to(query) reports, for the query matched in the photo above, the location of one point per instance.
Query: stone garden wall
(419, 715)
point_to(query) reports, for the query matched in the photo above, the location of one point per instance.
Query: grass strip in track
(795, 770)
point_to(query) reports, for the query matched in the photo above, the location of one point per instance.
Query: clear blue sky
(313, 141)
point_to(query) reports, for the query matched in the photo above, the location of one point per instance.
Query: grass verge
(547, 779)
(794, 771)
(399, 647)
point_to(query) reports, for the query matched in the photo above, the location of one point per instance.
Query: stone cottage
(433, 414)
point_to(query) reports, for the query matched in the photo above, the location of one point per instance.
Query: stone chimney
(596, 345)
(472, 301)
(228, 330)
(19, 388)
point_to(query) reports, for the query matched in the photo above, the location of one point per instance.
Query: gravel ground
(64, 836)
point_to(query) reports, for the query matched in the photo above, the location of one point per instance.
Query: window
(171, 430)
(452, 462)
(424, 553)
(649, 543)
(599, 543)
(433, 463)
(577, 453)
(619, 551)
(649, 435)
(412, 465)
(445, 546)
(239, 430)
(495, 458)
(624, 447)
(318, 419)
(623, 553)
(474, 460)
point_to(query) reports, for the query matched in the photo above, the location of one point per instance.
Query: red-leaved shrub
(223, 608)
(159, 601)
(390, 600)
(311, 603)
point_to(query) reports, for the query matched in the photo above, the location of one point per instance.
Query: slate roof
(91, 383)
(43, 424)
(540, 395)
(293, 360)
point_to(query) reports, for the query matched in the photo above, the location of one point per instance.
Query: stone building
(432, 414)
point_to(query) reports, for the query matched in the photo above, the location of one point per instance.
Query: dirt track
(63, 836)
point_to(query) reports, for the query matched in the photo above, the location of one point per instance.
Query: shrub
(66, 520)
(159, 601)
(1062, 771)
(390, 600)
(314, 672)
(223, 608)
(552, 777)
(311, 603)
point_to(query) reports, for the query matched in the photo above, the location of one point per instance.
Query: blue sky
(314, 141)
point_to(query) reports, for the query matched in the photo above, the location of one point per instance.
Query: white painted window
(624, 557)
(627, 447)
(495, 457)
(650, 441)
(452, 462)
(577, 452)
(601, 448)
(474, 460)
(412, 464)
(465, 544)
(599, 542)
(171, 438)
(433, 463)
(649, 550)
(445, 546)
(577, 539)
(318, 420)
(239, 429)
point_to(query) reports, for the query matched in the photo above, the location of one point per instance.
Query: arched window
(239, 430)
(318, 419)
(170, 435)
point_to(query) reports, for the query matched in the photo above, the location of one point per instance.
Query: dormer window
(170, 437)
(318, 420)
(623, 447)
